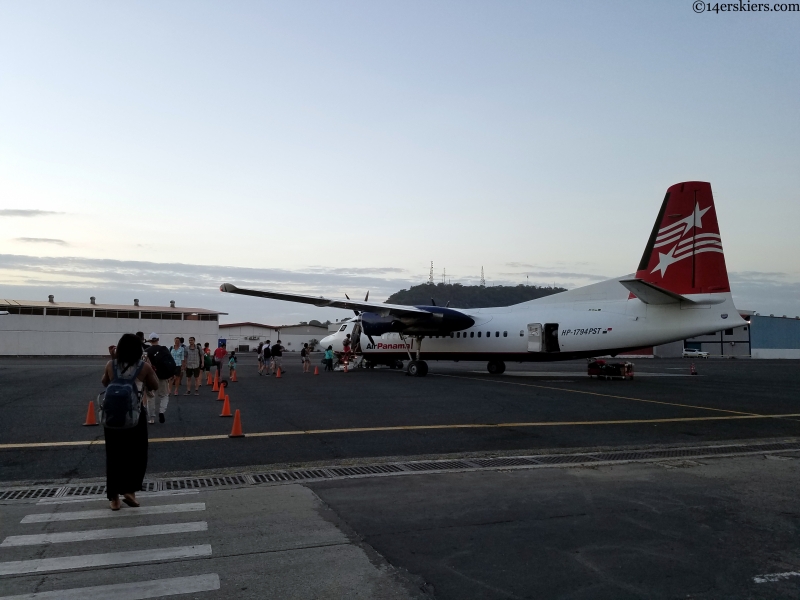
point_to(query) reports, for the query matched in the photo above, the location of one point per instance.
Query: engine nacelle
(437, 320)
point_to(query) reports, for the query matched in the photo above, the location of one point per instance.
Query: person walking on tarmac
(267, 352)
(329, 358)
(178, 352)
(232, 364)
(305, 358)
(126, 449)
(219, 359)
(161, 360)
(194, 358)
(277, 354)
(260, 353)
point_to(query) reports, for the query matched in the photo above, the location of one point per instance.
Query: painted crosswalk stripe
(109, 514)
(63, 563)
(96, 497)
(137, 590)
(102, 534)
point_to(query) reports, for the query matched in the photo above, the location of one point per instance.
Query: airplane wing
(373, 307)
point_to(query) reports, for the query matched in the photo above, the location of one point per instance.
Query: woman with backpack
(126, 435)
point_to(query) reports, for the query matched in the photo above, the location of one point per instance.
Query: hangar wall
(60, 329)
(775, 337)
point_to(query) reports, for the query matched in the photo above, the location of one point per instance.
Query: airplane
(680, 290)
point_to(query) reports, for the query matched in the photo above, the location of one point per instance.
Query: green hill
(470, 296)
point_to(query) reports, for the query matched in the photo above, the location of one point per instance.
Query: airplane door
(534, 337)
(551, 337)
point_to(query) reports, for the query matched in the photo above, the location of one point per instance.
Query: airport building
(245, 337)
(762, 337)
(37, 328)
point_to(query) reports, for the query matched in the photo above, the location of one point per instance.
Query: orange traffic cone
(90, 418)
(221, 395)
(216, 382)
(233, 376)
(236, 430)
(278, 373)
(208, 378)
(316, 370)
(226, 408)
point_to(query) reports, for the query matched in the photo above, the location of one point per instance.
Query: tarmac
(668, 528)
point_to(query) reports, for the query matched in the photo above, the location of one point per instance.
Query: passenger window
(472, 333)
(452, 335)
(505, 334)
(458, 335)
(521, 333)
(496, 334)
(479, 334)
(488, 334)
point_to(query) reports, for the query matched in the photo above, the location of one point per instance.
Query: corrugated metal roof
(275, 327)
(87, 305)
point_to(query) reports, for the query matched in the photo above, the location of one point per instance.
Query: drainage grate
(204, 482)
(367, 470)
(558, 459)
(29, 494)
(435, 466)
(85, 490)
(502, 462)
(290, 476)
(623, 455)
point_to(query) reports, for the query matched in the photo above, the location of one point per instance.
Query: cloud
(41, 241)
(142, 275)
(19, 212)
(543, 272)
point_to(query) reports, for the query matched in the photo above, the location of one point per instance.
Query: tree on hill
(470, 296)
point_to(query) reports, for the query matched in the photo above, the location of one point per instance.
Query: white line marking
(764, 578)
(107, 513)
(96, 497)
(102, 534)
(40, 565)
(130, 591)
(573, 374)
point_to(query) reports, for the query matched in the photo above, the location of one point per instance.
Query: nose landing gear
(417, 368)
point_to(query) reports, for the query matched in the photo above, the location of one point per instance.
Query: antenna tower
(444, 275)
(430, 277)
(483, 279)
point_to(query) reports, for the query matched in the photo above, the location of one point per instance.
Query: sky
(154, 150)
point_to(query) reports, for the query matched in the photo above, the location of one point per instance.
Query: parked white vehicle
(692, 353)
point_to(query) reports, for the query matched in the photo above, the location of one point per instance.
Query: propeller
(358, 326)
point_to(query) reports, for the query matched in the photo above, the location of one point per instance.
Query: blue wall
(772, 332)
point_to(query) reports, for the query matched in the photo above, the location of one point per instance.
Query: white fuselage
(589, 321)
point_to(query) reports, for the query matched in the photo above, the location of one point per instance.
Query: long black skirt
(126, 458)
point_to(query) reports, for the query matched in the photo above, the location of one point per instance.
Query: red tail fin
(684, 254)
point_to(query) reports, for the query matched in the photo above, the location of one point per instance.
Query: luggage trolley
(603, 370)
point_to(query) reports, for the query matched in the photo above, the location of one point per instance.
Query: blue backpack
(121, 404)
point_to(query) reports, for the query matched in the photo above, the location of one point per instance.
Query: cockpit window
(343, 327)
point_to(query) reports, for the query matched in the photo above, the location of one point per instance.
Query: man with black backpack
(163, 363)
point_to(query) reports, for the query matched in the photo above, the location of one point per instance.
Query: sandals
(115, 504)
(185, 394)
(130, 501)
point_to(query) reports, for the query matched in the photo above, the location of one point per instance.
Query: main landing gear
(496, 367)
(416, 367)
